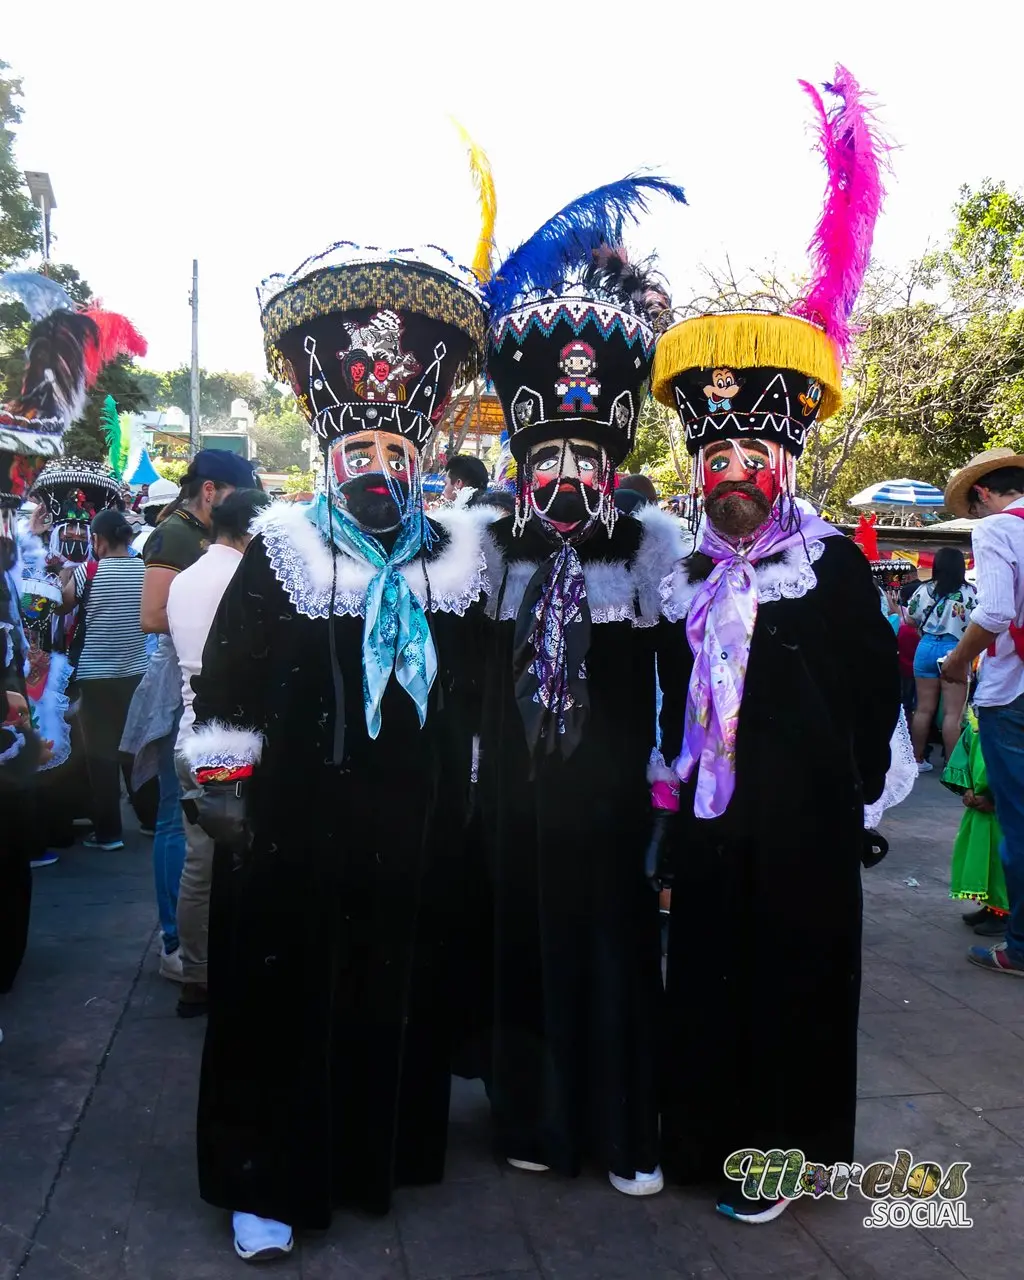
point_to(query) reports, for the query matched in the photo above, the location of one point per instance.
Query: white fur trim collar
(301, 561)
(789, 578)
(617, 590)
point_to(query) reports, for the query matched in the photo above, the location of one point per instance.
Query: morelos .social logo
(904, 1193)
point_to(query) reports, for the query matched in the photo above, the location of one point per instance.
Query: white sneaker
(528, 1166)
(260, 1239)
(644, 1184)
(923, 766)
(170, 966)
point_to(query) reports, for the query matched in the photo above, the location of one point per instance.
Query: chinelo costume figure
(66, 351)
(793, 695)
(569, 707)
(332, 726)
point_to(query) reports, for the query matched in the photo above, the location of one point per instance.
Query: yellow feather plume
(480, 167)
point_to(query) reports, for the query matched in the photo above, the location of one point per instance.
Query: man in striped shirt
(992, 486)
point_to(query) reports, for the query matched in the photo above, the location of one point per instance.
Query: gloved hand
(222, 812)
(874, 849)
(657, 867)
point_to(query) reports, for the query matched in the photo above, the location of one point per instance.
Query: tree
(19, 218)
(278, 438)
(217, 391)
(86, 438)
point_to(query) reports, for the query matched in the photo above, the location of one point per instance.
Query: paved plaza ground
(98, 1089)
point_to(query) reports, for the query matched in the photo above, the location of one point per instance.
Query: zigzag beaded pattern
(576, 313)
(384, 285)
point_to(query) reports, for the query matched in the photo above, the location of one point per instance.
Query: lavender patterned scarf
(549, 660)
(720, 628)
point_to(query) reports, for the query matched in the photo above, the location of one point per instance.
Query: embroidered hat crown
(374, 340)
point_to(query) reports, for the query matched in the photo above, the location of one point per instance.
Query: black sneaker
(992, 925)
(734, 1204)
(975, 917)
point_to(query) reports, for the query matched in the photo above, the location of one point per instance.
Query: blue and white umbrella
(899, 493)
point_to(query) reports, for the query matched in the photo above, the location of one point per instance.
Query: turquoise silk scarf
(396, 635)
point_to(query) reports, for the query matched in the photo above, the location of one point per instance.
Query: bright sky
(250, 140)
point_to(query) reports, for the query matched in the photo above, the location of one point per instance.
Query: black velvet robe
(764, 958)
(577, 953)
(326, 1070)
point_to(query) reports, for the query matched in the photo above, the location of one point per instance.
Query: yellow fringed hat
(772, 376)
(746, 373)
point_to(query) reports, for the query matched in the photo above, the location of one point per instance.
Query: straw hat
(980, 465)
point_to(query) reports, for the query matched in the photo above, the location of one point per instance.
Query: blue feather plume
(567, 241)
(39, 296)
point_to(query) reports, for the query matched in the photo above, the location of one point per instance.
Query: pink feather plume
(854, 154)
(117, 337)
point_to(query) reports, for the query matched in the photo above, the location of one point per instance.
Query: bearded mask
(741, 480)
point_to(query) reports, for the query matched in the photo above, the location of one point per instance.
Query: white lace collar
(302, 563)
(787, 578)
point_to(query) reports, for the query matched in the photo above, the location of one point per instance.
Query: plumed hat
(572, 324)
(772, 376)
(67, 349)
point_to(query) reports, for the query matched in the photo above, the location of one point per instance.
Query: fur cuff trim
(217, 745)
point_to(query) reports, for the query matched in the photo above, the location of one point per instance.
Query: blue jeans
(1002, 745)
(928, 653)
(168, 843)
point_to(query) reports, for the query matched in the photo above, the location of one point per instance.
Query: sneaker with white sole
(923, 766)
(170, 965)
(108, 846)
(641, 1184)
(261, 1239)
(46, 860)
(528, 1166)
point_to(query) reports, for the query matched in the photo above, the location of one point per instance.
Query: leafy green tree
(19, 218)
(85, 438)
(278, 438)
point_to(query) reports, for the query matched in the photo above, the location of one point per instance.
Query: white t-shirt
(192, 605)
(998, 545)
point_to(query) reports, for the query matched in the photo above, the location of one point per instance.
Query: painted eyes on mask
(399, 465)
(722, 461)
(357, 461)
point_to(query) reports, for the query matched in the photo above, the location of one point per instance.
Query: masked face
(373, 472)
(566, 480)
(741, 480)
(72, 540)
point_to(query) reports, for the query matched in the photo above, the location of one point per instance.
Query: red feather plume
(117, 337)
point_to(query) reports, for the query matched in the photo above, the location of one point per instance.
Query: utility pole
(193, 407)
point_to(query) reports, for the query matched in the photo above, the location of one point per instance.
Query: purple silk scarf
(720, 628)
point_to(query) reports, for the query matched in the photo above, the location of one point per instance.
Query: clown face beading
(373, 473)
(568, 481)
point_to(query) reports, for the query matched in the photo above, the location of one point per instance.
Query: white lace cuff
(221, 746)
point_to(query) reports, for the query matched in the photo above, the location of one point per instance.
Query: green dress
(977, 869)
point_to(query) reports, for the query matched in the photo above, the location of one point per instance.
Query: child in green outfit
(977, 869)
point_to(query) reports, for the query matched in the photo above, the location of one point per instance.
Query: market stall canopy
(899, 493)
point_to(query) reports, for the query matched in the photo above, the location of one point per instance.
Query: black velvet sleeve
(867, 646)
(230, 688)
(675, 661)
